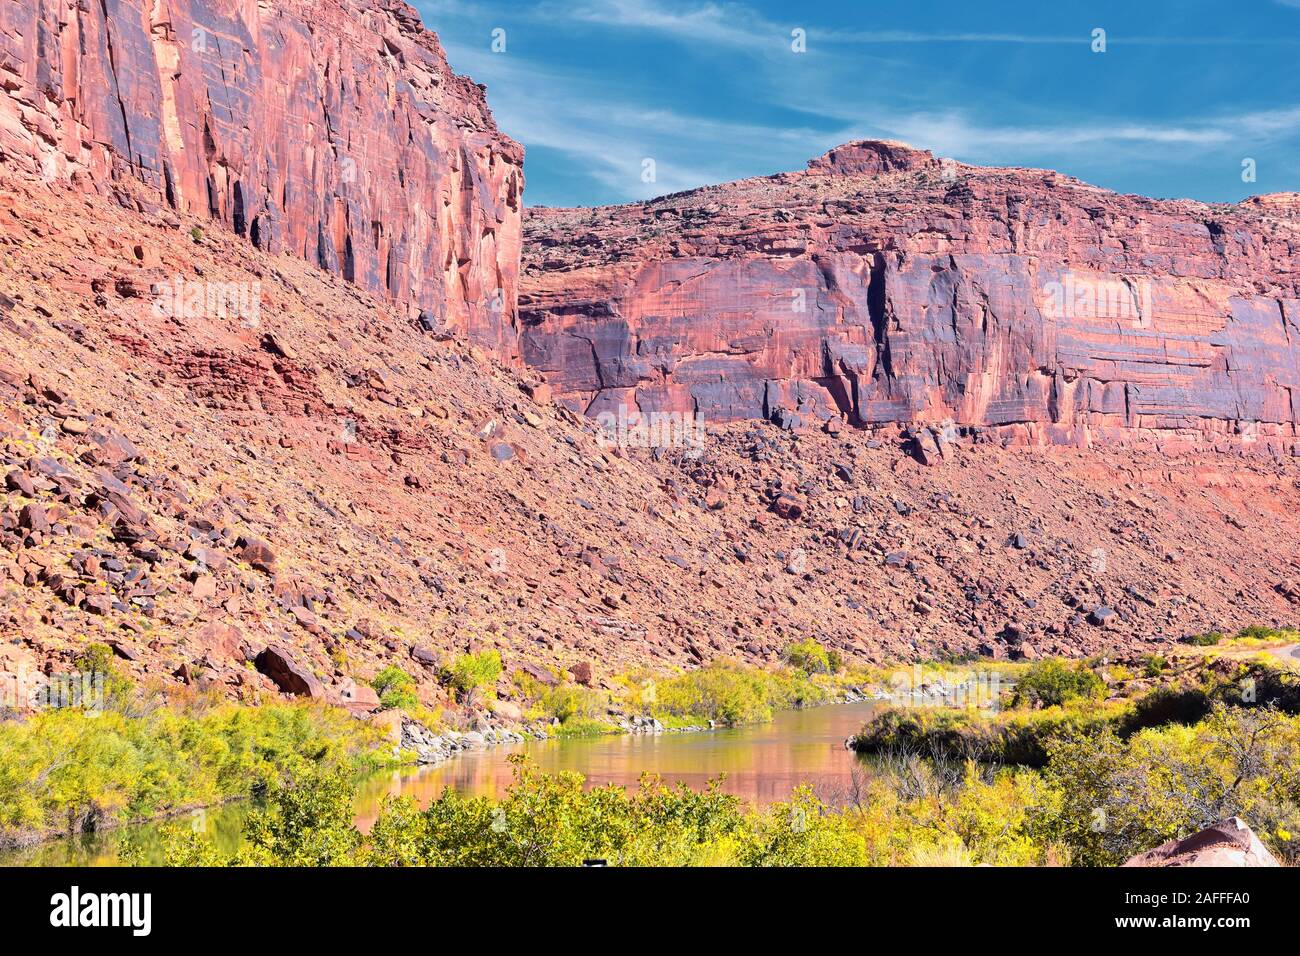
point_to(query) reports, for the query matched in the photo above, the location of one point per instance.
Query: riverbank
(132, 754)
(932, 791)
(1204, 751)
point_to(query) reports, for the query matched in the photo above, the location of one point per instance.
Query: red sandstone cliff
(887, 287)
(330, 129)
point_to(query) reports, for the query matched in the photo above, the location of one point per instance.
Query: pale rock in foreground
(1229, 842)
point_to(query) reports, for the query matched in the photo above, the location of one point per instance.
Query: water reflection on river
(761, 763)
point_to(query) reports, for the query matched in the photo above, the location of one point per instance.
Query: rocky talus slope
(330, 129)
(289, 498)
(883, 287)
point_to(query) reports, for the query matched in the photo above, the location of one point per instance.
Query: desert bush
(1011, 737)
(811, 658)
(64, 771)
(474, 674)
(1053, 682)
(396, 689)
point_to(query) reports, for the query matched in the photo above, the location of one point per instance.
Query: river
(760, 763)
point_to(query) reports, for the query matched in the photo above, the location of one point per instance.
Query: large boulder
(1227, 843)
(287, 675)
(358, 698)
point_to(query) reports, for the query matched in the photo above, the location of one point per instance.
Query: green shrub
(811, 658)
(1012, 737)
(396, 689)
(472, 674)
(1153, 665)
(1166, 705)
(722, 691)
(731, 693)
(1259, 632)
(307, 821)
(1053, 682)
(568, 702)
(61, 771)
(1208, 639)
(801, 832)
(103, 682)
(585, 727)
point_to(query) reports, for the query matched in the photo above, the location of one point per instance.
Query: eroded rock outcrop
(888, 287)
(330, 129)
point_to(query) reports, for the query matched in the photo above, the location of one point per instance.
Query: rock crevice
(885, 287)
(333, 130)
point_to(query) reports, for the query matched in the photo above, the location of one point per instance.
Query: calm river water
(762, 763)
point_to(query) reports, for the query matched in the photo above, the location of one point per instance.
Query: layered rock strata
(884, 287)
(330, 129)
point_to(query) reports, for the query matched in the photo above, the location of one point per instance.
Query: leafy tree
(472, 674)
(802, 833)
(305, 822)
(396, 689)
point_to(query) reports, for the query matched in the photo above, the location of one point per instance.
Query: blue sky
(713, 91)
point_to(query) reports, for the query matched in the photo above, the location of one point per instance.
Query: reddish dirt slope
(334, 480)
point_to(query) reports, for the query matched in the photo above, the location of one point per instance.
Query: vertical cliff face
(333, 130)
(885, 287)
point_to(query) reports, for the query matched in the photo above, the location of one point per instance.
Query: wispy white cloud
(717, 23)
(954, 133)
(608, 135)
(738, 25)
(1084, 39)
(606, 124)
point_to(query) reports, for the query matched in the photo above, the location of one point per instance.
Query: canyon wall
(882, 287)
(333, 130)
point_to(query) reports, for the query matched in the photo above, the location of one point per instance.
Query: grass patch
(585, 727)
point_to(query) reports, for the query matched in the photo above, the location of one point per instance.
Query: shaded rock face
(330, 129)
(277, 664)
(1228, 843)
(887, 287)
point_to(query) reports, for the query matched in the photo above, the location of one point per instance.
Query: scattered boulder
(787, 419)
(1026, 651)
(539, 674)
(788, 506)
(539, 393)
(357, 697)
(925, 449)
(33, 518)
(424, 656)
(277, 664)
(507, 710)
(97, 604)
(258, 554)
(20, 482)
(581, 672)
(205, 588)
(1103, 616)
